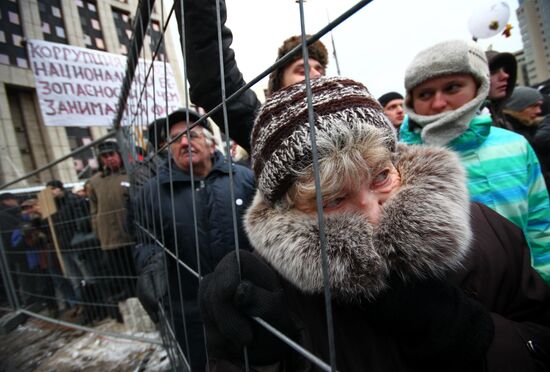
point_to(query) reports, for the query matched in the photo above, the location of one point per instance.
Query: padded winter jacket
(504, 174)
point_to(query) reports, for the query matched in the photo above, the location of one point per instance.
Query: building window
(12, 50)
(51, 16)
(89, 19)
(123, 24)
(155, 32)
(84, 162)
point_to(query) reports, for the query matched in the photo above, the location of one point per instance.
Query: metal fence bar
(59, 160)
(149, 229)
(88, 329)
(6, 278)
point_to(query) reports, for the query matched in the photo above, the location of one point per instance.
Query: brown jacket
(108, 194)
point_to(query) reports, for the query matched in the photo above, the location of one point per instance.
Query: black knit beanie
(56, 184)
(280, 137)
(384, 99)
(316, 51)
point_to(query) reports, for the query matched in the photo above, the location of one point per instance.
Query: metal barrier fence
(85, 254)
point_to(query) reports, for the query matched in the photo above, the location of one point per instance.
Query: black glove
(435, 323)
(151, 284)
(227, 302)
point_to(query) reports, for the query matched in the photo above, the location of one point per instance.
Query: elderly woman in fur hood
(419, 279)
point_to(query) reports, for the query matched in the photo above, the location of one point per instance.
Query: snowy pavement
(38, 345)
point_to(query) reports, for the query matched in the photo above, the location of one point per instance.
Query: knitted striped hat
(281, 139)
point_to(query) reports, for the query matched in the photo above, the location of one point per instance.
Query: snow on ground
(41, 346)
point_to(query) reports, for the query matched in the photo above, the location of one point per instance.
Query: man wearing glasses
(188, 207)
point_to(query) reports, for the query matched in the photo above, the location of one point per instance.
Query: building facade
(534, 22)
(105, 25)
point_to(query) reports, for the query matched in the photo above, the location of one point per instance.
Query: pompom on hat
(281, 140)
(316, 51)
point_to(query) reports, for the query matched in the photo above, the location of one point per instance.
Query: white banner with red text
(81, 87)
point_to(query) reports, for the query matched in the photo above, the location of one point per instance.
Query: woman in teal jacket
(446, 86)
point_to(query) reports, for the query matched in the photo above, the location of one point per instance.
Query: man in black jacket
(188, 208)
(9, 221)
(72, 222)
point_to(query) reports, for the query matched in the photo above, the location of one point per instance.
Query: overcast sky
(374, 46)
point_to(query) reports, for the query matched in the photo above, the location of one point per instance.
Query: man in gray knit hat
(525, 98)
(523, 115)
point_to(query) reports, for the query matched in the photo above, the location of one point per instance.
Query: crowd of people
(434, 204)
(76, 257)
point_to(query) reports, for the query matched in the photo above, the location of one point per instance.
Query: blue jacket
(166, 216)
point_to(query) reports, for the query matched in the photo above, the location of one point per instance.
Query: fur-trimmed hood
(424, 230)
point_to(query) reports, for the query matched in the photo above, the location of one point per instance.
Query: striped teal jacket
(504, 174)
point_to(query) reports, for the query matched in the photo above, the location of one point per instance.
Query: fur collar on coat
(424, 230)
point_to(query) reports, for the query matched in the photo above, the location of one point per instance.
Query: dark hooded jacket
(72, 216)
(9, 221)
(541, 145)
(508, 62)
(169, 217)
(428, 228)
(538, 136)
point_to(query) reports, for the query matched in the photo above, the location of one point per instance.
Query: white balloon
(489, 20)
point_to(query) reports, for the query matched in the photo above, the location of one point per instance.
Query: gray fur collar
(424, 230)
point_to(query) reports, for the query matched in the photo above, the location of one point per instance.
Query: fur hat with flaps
(444, 59)
(316, 51)
(423, 228)
(280, 138)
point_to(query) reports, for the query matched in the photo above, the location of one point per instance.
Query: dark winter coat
(172, 222)
(541, 145)
(9, 221)
(72, 216)
(203, 70)
(496, 106)
(428, 228)
(538, 137)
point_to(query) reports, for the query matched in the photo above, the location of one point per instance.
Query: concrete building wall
(21, 123)
(534, 21)
(522, 76)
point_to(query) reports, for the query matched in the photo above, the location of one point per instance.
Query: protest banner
(80, 87)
